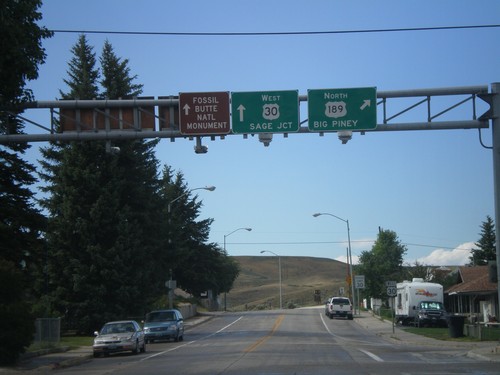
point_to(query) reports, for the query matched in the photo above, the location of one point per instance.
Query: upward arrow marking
(186, 109)
(241, 109)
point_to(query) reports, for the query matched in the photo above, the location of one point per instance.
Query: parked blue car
(164, 325)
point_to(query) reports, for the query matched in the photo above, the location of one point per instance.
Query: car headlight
(146, 330)
(172, 328)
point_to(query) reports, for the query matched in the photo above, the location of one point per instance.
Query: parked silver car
(164, 325)
(119, 336)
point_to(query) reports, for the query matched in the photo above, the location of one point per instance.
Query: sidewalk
(45, 361)
(483, 350)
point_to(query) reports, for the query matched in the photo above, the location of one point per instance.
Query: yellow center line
(259, 342)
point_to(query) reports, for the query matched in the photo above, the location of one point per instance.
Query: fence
(47, 330)
(482, 332)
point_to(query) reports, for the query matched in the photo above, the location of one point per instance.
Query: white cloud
(343, 258)
(459, 256)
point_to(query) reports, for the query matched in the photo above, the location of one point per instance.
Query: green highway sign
(342, 109)
(265, 112)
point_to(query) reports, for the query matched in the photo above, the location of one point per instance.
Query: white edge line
(369, 354)
(191, 342)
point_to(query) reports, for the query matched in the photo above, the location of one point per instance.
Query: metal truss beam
(424, 97)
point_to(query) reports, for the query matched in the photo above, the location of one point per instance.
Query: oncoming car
(119, 336)
(164, 325)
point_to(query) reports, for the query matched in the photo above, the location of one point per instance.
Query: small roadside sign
(359, 281)
(392, 291)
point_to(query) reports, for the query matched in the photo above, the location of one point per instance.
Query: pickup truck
(431, 313)
(339, 306)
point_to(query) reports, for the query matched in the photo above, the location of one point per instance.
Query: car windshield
(160, 316)
(117, 328)
(431, 305)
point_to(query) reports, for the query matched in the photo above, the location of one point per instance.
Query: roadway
(300, 341)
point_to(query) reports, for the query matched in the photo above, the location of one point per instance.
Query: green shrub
(17, 324)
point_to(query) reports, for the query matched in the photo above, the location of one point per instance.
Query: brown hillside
(257, 286)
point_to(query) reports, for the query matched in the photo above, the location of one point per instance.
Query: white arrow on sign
(366, 103)
(186, 109)
(241, 109)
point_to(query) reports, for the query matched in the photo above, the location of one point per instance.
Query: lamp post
(279, 272)
(227, 235)
(349, 259)
(209, 188)
(170, 283)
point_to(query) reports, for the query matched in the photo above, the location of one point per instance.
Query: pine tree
(21, 223)
(117, 81)
(196, 265)
(103, 208)
(486, 246)
(83, 74)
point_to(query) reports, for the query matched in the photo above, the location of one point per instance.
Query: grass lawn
(438, 334)
(66, 341)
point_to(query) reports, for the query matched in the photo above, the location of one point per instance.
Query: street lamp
(279, 272)
(209, 188)
(226, 235)
(170, 282)
(349, 260)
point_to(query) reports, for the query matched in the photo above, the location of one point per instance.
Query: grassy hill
(257, 286)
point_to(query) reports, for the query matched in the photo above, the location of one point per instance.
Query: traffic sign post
(342, 109)
(204, 113)
(265, 112)
(359, 281)
(392, 291)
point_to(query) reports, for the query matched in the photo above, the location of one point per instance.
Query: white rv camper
(409, 296)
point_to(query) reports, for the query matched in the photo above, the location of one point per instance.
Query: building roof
(473, 280)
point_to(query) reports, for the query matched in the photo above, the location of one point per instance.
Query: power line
(267, 33)
(345, 242)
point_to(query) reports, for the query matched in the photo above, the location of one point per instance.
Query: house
(473, 295)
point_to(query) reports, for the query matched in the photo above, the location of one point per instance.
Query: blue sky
(433, 188)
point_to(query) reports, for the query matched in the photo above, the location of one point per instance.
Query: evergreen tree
(197, 266)
(21, 223)
(102, 235)
(117, 81)
(383, 263)
(83, 73)
(486, 246)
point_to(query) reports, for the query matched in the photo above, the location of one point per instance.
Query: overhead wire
(272, 33)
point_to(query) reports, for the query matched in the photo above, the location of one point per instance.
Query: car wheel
(136, 349)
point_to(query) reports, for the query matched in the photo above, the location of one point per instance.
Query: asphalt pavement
(45, 361)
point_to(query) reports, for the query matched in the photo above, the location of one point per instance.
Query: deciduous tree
(383, 263)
